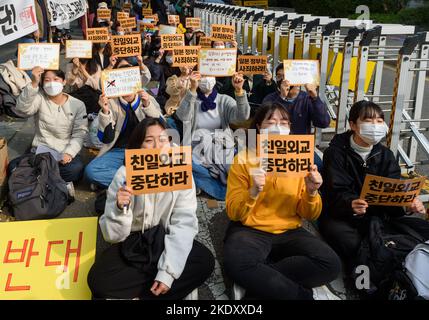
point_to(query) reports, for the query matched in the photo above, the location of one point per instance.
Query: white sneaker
(323, 293)
(70, 189)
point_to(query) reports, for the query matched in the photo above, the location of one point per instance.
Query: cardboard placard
(301, 72)
(78, 49)
(286, 155)
(153, 17)
(159, 170)
(173, 19)
(47, 259)
(127, 46)
(45, 55)
(98, 35)
(104, 14)
(252, 64)
(170, 41)
(217, 62)
(121, 82)
(194, 23)
(129, 23)
(205, 42)
(163, 29)
(126, 6)
(381, 191)
(122, 15)
(64, 11)
(223, 32)
(186, 56)
(147, 12)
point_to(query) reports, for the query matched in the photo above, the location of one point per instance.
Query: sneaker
(323, 293)
(70, 189)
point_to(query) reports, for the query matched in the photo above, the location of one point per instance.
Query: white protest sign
(163, 29)
(217, 62)
(78, 49)
(64, 11)
(45, 55)
(301, 72)
(121, 82)
(17, 19)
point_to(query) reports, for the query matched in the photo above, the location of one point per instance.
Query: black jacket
(344, 173)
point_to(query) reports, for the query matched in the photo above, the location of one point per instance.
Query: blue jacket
(304, 111)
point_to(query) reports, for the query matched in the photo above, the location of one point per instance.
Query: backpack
(383, 250)
(36, 189)
(89, 96)
(417, 266)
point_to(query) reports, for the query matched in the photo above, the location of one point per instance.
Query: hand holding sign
(312, 90)
(417, 207)
(359, 207)
(103, 102)
(313, 181)
(194, 78)
(123, 197)
(238, 82)
(36, 76)
(284, 88)
(145, 98)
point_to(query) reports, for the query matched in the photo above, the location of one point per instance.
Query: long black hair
(266, 111)
(139, 133)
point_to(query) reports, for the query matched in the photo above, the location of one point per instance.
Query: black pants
(111, 277)
(284, 266)
(345, 236)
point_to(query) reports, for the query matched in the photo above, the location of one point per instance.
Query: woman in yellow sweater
(266, 251)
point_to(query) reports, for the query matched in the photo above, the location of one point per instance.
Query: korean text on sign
(223, 32)
(252, 64)
(45, 55)
(64, 11)
(121, 82)
(170, 41)
(217, 62)
(128, 23)
(47, 259)
(391, 192)
(97, 35)
(286, 155)
(173, 19)
(301, 72)
(78, 49)
(127, 46)
(159, 170)
(104, 14)
(185, 56)
(205, 42)
(194, 23)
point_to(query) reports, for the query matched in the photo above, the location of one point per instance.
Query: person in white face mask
(350, 157)
(203, 110)
(60, 120)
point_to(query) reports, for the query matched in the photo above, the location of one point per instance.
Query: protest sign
(98, 35)
(121, 82)
(158, 170)
(122, 15)
(152, 17)
(170, 41)
(126, 6)
(104, 14)
(194, 23)
(205, 42)
(163, 29)
(128, 23)
(301, 72)
(149, 28)
(45, 55)
(223, 32)
(18, 19)
(286, 155)
(127, 46)
(380, 191)
(173, 19)
(252, 64)
(146, 12)
(217, 62)
(47, 259)
(64, 11)
(185, 56)
(78, 49)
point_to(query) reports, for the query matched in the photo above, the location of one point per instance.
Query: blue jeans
(102, 170)
(207, 183)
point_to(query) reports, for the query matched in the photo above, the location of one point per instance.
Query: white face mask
(121, 33)
(373, 133)
(219, 47)
(53, 88)
(276, 129)
(207, 84)
(169, 59)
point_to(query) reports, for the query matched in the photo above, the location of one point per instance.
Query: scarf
(207, 103)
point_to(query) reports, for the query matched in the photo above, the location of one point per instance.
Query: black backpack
(89, 97)
(383, 250)
(36, 189)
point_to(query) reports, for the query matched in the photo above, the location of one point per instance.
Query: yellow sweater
(281, 206)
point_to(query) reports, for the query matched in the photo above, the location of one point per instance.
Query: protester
(82, 72)
(176, 88)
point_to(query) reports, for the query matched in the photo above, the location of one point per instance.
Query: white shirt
(362, 151)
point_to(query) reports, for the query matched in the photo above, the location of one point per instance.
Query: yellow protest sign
(97, 35)
(223, 32)
(194, 23)
(128, 23)
(286, 155)
(301, 72)
(381, 191)
(252, 64)
(47, 259)
(185, 56)
(122, 15)
(159, 170)
(126, 6)
(217, 62)
(170, 41)
(205, 42)
(127, 46)
(121, 82)
(78, 49)
(173, 19)
(45, 55)
(104, 14)
(146, 12)
(152, 17)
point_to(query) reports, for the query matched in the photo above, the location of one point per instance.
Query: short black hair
(280, 67)
(58, 73)
(266, 111)
(139, 133)
(365, 110)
